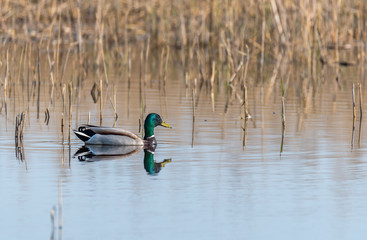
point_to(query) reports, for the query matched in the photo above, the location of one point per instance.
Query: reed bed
(293, 25)
(59, 45)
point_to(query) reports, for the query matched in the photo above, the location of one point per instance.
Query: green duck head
(151, 121)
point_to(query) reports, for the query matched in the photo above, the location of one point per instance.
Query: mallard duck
(98, 135)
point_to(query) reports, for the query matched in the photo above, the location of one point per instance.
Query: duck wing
(111, 131)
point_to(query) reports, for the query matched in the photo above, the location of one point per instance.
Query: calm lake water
(212, 187)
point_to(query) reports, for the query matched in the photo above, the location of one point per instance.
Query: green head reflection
(150, 165)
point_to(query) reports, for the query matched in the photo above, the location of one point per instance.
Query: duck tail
(84, 133)
(82, 136)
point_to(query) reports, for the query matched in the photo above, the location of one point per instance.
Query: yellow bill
(165, 125)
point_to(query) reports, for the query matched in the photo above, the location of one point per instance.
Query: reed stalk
(354, 103)
(70, 109)
(62, 127)
(79, 31)
(6, 79)
(39, 83)
(360, 116)
(19, 126)
(128, 80)
(263, 25)
(354, 117)
(283, 118)
(166, 67)
(360, 101)
(101, 101)
(146, 60)
(245, 117)
(212, 78)
(47, 116)
(193, 113)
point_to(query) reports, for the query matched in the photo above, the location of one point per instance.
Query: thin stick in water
(283, 119)
(360, 115)
(354, 116)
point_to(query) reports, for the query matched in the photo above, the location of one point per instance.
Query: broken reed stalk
(47, 116)
(19, 125)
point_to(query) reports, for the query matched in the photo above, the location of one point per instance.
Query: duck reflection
(150, 165)
(93, 153)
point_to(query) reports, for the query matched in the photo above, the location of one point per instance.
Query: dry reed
(187, 24)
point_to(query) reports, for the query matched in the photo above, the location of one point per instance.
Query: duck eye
(159, 120)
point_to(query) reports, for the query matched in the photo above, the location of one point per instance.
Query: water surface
(213, 187)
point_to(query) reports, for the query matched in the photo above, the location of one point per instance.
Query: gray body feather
(96, 135)
(109, 139)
